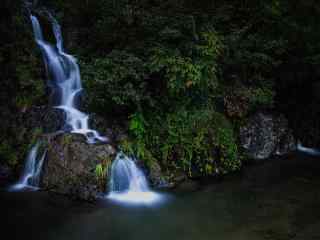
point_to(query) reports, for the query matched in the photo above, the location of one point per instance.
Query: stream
(278, 200)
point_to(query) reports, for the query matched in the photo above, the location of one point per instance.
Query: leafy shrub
(116, 80)
(102, 171)
(196, 141)
(194, 69)
(262, 97)
(8, 154)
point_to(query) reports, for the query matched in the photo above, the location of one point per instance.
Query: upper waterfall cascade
(64, 79)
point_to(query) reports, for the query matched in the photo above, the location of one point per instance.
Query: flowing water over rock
(31, 174)
(128, 183)
(65, 80)
(311, 151)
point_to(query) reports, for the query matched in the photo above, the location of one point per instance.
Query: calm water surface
(278, 200)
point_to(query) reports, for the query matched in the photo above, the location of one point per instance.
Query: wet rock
(114, 133)
(101, 125)
(155, 175)
(287, 144)
(97, 122)
(236, 105)
(175, 179)
(265, 135)
(48, 119)
(71, 163)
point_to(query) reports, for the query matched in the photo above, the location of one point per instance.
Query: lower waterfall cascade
(31, 173)
(128, 183)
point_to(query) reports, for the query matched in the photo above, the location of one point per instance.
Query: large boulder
(71, 163)
(265, 135)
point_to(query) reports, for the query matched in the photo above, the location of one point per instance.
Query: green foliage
(137, 125)
(138, 146)
(202, 140)
(8, 154)
(226, 143)
(260, 97)
(126, 80)
(20, 61)
(101, 171)
(117, 80)
(67, 139)
(180, 72)
(36, 133)
(252, 59)
(27, 72)
(196, 141)
(195, 69)
(158, 79)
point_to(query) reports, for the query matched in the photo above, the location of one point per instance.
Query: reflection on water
(136, 198)
(279, 200)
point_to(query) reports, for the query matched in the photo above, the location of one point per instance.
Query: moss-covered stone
(70, 166)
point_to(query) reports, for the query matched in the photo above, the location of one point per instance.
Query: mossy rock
(71, 163)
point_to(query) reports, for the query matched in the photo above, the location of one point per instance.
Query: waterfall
(64, 79)
(126, 176)
(30, 177)
(128, 183)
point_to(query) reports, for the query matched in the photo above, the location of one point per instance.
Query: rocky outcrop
(155, 175)
(236, 105)
(48, 119)
(70, 166)
(265, 135)
(115, 133)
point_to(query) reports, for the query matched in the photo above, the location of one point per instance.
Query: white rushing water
(65, 80)
(310, 151)
(30, 177)
(128, 183)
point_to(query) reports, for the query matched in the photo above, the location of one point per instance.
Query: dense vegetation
(178, 76)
